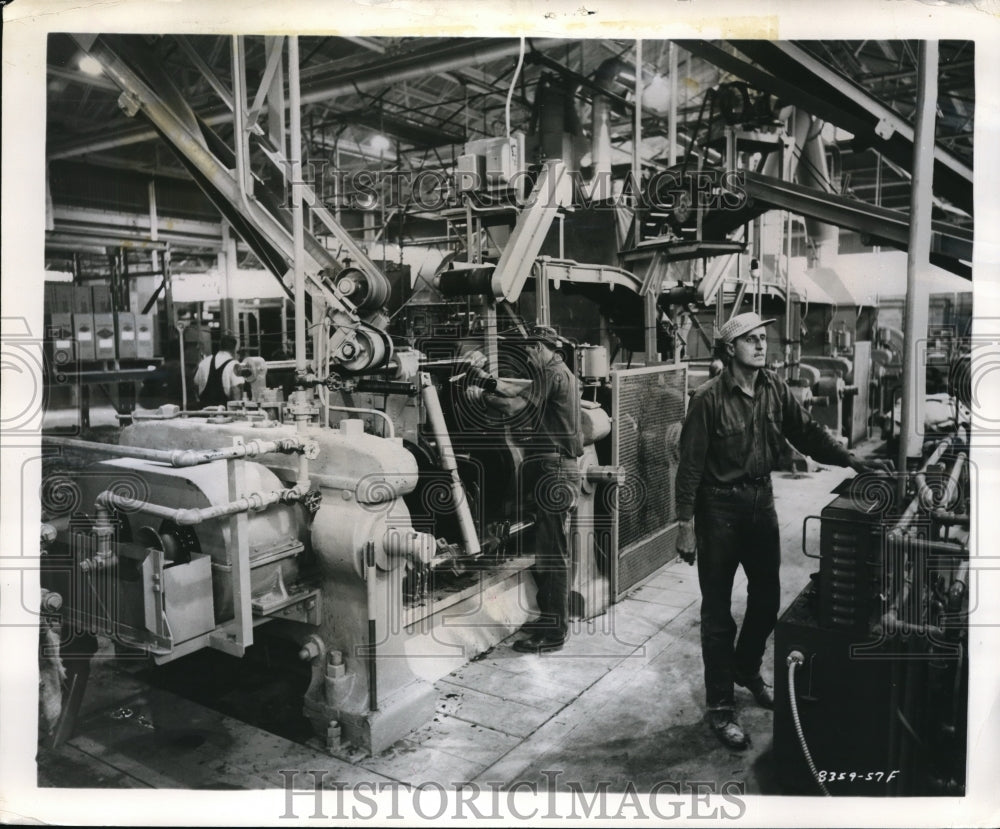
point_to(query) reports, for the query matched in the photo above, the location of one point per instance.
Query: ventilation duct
(615, 72)
(808, 167)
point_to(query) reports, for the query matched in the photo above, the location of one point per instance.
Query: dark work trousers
(556, 490)
(736, 526)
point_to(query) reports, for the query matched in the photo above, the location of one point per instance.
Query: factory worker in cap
(733, 435)
(551, 403)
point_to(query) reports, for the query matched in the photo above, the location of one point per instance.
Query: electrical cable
(794, 663)
(513, 84)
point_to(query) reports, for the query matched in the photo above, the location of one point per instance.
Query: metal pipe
(637, 142)
(950, 548)
(184, 385)
(944, 548)
(240, 144)
(600, 151)
(814, 173)
(672, 112)
(906, 518)
(298, 239)
(951, 488)
(104, 530)
(435, 419)
(206, 413)
(927, 498)
(371, 575)
(956, 518)
(298, 226)
(187, 517)
(302, 481)
(959, 587)
(608, 74)
(939, 451)
(185, 457)
(891, 622)
(918, 257)
(386, 419)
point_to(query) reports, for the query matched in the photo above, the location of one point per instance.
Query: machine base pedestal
(375, 731)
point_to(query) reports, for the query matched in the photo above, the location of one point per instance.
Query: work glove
(687, 545)
(474, 394)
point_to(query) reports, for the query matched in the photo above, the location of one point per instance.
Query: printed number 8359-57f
(854, 776)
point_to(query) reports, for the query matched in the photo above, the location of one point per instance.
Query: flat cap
(741, 324)
(546, 334)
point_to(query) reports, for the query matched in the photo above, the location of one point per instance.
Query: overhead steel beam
(213, 81)
(56, 240)
(134, 221)
(80, 77)
(140, 135)
(949, 243)
(882, 127)
(368, 43)
(261, 229)
(420, 135)
(274, 46)
(417, 64)
(152, 169)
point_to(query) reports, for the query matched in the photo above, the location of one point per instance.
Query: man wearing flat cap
(732, 438)
(551, 403)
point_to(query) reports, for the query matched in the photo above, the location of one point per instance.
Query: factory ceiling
(411, 103)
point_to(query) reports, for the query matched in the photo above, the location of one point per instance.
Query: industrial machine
(361, 507)
(367, 511)
(376, 520)
(871, 665)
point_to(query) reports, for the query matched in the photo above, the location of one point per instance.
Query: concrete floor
(621, 705)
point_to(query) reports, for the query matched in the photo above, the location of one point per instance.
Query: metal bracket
(129, 104)
(885, 129)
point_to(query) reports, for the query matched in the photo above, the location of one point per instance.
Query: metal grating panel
(647, 415)
(647, 557)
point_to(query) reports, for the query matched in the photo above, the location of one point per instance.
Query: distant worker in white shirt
(218, 378)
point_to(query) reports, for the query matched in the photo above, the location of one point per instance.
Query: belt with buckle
(763, 480)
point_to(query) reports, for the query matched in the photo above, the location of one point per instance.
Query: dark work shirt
(555, 396)
(545, 417)
(729, 437)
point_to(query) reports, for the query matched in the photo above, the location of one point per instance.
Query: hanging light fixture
(90, 66)
(656, 94)
(379, 143)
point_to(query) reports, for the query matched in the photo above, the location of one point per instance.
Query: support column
(227, 303)
(637, 144)
(298, 226)
(917, 262)
(672, 112)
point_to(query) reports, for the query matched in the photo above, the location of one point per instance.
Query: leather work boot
(539, 643)
(532, 627)
(729, 732)
(762, 692)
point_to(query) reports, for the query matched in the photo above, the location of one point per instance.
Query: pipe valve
(605, 474)
(47, 533)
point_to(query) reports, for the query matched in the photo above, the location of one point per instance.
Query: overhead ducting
(808, 167)
(615, 72)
